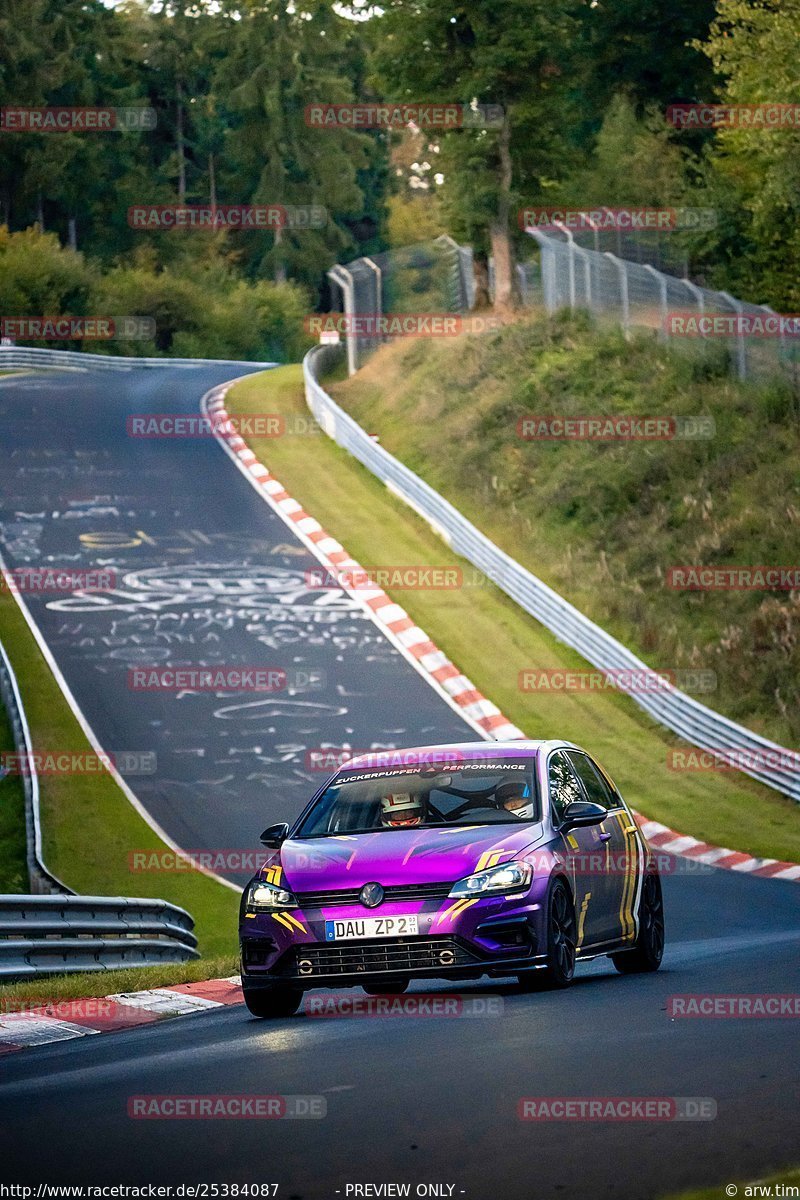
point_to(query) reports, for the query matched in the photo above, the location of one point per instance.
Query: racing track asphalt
(409, 1100)
(206, 574)
(423, 1099)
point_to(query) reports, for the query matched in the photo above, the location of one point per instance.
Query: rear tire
(386, 989)
(273, 1002)
(648, 950)
(561, 940)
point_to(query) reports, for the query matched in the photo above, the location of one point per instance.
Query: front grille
(396, 956)
(404, 891)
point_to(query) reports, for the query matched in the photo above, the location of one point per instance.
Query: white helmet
(514, 795)
(399, 810)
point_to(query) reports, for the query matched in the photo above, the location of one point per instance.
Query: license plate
(370, 927)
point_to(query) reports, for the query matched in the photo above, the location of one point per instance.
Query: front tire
(561, 940)
(273, 1002)
(648, 949)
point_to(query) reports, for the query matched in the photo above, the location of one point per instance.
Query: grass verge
(88, 825)
(13, 865)
(492, 640)
(602, 522)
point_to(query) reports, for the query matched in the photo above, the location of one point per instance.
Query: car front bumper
(495, 936)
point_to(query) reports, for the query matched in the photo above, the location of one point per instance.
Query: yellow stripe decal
(623, 904)
(294, 921)
(582, 919)
(632, 853)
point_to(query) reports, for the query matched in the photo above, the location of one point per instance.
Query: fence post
(785, 362)
(587, 275)
(344, 281)
(570, 261)
(523, 284)
(378, 294)
(464, 302)
(547, 254)
(740, 346)
(623, 290)
(661, 280)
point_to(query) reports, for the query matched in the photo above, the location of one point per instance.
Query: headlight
(507, 877)
(264, 896)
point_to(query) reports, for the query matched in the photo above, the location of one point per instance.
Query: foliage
(201, 310)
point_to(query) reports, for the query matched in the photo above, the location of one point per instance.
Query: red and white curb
(429, 660)
(661, 837)
(62, 1020)
(437, 668)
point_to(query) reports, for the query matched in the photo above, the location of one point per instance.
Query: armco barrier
(21, 358)
(771, 764)
(54, 935)
(40, 879)
(59, 933)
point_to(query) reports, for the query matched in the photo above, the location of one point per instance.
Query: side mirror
(581, 813)
(273, 835)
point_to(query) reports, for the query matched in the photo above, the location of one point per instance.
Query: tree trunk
(212, 184)
(279, 274)
(179, 140)
(506, 285)
(480, 274)
(40, 213)
(72, 234)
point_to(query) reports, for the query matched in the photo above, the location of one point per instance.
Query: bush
(38, 277)
(200, 309)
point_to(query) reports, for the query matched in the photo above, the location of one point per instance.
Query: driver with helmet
(514, 795)
(401, 810)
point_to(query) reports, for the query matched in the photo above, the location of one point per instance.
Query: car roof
(412, 755)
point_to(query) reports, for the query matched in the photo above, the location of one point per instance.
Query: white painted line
(37, 1031)
(316, 548)
(162, 1000)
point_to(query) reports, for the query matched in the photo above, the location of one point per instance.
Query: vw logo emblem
(371, 895)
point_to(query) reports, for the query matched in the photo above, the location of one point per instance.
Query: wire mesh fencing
(757, 342)
(424, 280)
(572, 271)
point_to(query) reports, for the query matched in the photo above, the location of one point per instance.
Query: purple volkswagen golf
(457, 861)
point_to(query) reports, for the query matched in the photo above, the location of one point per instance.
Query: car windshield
(480, 793)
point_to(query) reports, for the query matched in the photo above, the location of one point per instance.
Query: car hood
(403, 856)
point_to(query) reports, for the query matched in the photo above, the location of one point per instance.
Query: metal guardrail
(40, 879)
(54, 931)
(55, 935)
(699, 725)
(23, 358)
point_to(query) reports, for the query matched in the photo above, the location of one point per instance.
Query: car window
(563, 784)
(473, 792)
(597, 789)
